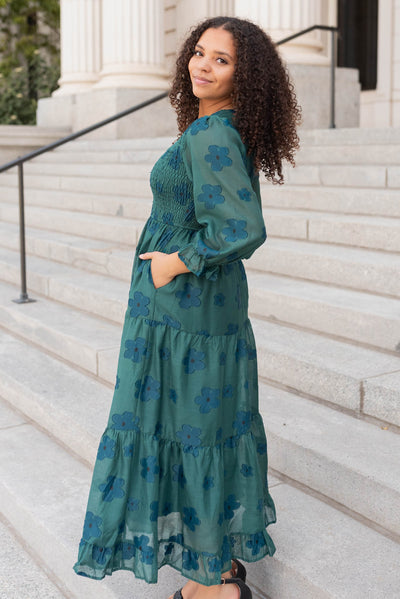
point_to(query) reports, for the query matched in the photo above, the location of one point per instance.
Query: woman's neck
(209, 107)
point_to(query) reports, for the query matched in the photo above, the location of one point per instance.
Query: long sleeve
(226, 197)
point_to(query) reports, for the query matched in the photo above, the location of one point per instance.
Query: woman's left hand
(164, 267)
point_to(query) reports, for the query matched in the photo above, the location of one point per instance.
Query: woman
(181, 472)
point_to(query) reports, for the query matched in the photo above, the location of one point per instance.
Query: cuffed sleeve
(226, 197)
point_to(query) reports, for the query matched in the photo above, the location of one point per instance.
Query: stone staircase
(325, 309)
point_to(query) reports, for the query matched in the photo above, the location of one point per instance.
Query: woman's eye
(197, 53)
(222, 60)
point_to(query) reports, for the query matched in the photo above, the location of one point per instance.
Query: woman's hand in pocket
(164, 267)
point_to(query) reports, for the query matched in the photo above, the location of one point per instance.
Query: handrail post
(23, 298)
(332, 124)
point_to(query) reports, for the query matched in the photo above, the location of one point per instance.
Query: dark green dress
(181, 470)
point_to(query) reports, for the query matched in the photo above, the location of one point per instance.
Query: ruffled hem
(196, 263)
(137, 555)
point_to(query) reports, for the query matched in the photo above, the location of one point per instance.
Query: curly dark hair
(266, 109)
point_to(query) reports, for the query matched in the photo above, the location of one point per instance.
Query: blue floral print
(205, 250)
(190, 518)
(128, 550)
(244, 194)
(214, 565)
(101, 554)
(230, 505)
(208, 399)
(168, 218)
(189, 296)
(235, 230)
(190, 560)
(133, 504)
(256, 542)
(182, 193)
(227, 391)
(171, 322)
(208, 482)
(218, 157)
(150, 389)
(232, 329)
(261, 448)
(147, 553)
(178, 475)
(173, 395)
(135, 349)
(125, 422)
(154, 511)
(112, 489)
(149, 468)
(139, 304)
(190, 437)
(246, 470)
(165, 353)
(219, 299)
(175, 158)
(241, 349)
(194, 361)
(211, 195)
(106, 448)
(222, 358)
(91, 527)
(117, 382)
(199, 125)
(128, 450)
(242, 422)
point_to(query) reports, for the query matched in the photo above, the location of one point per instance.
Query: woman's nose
(204, 63)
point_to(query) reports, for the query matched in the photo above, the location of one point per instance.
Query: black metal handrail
(23, 299)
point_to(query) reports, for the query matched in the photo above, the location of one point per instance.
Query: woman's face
(212, 66)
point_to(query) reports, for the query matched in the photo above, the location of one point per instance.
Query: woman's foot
(194, 590)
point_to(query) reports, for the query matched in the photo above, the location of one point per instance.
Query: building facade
(115, 53)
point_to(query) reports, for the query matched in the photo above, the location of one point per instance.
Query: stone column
(80, 45)
(285, 17)
(190, 13)
(132, 45)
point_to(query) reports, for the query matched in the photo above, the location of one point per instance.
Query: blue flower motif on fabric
(208, 400)
(222, 358)
(167, 508)
(211, 195)
(204, 250)
(149, 468)
(203, 332)
(227, 269)
(159, 187)
(246, 470)
(193, 361)
(232, 329)
(168, 218)
(190, 437)
(168, 320)
(173, 395)
(230, 505)
(208, 482)
(200, 125)
(214, 565)
(133, 504)
(101, 554)
(125, 422)
(106, 448)
(232, 442)
(157, 434)
(112, 489)
(153, 226)
(150, 389)
(128, 550)
(139, 304)
(227, 391)
(117, 382)
(261, 448)
(218, 157)
(182, 193)
(242, 422)
(190, 560)
(91, 527)
(128, 450)
(175, 158)
(176, 539)
(241, 349)
(154, 511)
(252, 353)
(178, 475)
(165, 353)
(219, 299)
(236, 229)
(256, 542)
(142, 543)
(190, 518)
(189, 296)
(189, 213)
(136, 349)
(244, 194)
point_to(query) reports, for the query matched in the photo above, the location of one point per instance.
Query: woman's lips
(200, 81)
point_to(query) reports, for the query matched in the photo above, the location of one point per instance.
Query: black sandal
(241, 570)
(245, 592)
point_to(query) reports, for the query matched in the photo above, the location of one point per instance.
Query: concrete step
(94, 226)
(83, 169)
(361, 472)
(357, 316)
(25, 490)
(113, 205)
(360, 380)
(20, 575)
(377, 202)
(360, 269)
(43, 495)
